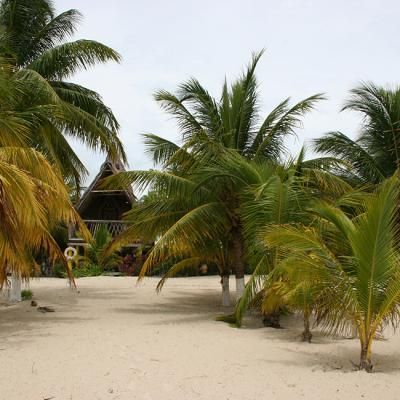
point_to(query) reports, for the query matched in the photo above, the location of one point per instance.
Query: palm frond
(62, 61)
(283, 122)
(177, 268)
(161, 150)
(340, 146)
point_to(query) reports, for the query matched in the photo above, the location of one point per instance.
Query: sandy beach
(114, 339)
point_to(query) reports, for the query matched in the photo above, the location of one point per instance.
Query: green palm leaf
(64, 60)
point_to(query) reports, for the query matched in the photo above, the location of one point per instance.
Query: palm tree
(33, 197)
(33, 39)
(375, 154)
(184, 214)
(354, 264)
(211, 129)
(280, 196)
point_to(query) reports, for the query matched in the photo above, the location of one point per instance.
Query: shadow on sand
(22, 323)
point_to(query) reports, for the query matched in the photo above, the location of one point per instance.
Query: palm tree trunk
(14, 294)
(365, 356)
(238, 255)
(226, 297)
(306, 335)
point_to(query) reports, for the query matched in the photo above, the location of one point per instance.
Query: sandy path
(116, 340)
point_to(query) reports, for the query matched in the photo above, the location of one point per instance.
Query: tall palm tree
(33, 39)
(354, 263)
(33, 197)
(210, 129)
(375, 154)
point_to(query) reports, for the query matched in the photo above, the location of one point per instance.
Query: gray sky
(311, 46)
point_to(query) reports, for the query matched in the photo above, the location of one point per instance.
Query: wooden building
(98, 206)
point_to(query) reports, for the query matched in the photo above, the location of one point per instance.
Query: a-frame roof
(109, 167)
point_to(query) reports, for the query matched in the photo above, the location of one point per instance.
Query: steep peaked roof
(109, 167)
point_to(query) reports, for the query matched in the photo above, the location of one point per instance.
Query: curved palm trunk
(238, 262)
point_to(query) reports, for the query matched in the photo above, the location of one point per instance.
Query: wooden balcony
(115, 227)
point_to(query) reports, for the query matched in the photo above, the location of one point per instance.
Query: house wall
(106, 207)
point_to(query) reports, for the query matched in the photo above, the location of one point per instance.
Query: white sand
(116, 340)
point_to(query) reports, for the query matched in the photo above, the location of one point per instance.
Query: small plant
(97, 252)
(26, 295)
(87, 270)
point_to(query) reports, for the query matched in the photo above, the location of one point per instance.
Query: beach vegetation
(26, 294)
(351, 265)
(194, 211)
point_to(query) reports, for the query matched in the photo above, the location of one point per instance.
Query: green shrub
(96, 251)
(81, 270)
(26, 295)
(86, 270)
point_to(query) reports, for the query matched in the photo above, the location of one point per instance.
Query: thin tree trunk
(365, 357)
(238, 255)
(14, 294)
(306, 335)
(226, 297)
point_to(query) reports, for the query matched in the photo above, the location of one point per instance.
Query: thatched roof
(108, 168)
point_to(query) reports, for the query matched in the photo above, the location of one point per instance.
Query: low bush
(26, 295)
(86, 270)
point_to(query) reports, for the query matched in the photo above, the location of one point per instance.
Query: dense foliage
(319, 237)
(39, 109)
(33, 40)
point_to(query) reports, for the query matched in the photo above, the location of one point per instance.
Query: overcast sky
(311, 47)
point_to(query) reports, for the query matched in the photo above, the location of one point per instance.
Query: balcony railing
(115, 227)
